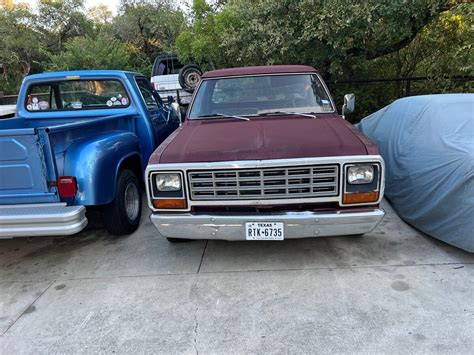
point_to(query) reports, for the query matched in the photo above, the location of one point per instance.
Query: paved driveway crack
(28, 308)
(202, 257)
(194, 291)
(196, 326)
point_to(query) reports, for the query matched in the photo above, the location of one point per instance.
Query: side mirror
(170, 99)
(349, 104)
(177, 111)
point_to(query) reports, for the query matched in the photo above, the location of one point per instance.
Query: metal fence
(8, 99)
(373, 94)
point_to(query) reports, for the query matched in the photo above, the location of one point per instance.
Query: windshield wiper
(224, 115)
(311, 115)
(233, 116)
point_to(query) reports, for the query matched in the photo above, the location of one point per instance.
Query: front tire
(122, 215)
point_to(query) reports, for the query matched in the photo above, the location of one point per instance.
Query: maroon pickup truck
(263, 155)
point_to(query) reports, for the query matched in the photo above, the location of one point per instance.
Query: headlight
(168, 182)
(360, 174)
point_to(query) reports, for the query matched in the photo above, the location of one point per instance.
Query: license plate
(264, 231)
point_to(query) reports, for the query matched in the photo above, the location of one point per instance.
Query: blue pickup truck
(80, 139)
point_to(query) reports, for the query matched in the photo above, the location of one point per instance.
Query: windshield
(260, 95)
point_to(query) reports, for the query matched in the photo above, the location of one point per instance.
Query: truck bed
(32, 153)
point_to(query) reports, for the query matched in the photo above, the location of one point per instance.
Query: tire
(189, 77)
(179, 240)
(122, 215)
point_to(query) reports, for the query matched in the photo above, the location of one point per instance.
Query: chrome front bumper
(297, 224)
(41, 220)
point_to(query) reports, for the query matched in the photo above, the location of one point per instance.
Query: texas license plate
(264, 231)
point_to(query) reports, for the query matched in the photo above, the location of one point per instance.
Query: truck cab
(80, 139)
(264, 155)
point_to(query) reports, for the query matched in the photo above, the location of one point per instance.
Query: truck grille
(266, 183)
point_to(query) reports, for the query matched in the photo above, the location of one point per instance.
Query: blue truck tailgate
(23, 172)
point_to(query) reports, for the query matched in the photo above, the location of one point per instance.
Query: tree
(100, 14)
(101, 52)
(204, 40)
(61, 20)
(148, 28)
(21, 47)
(442, 51)
(330, 34)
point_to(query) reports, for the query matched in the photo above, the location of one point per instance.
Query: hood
(281, 137)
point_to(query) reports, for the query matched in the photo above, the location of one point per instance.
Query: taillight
(67, 186)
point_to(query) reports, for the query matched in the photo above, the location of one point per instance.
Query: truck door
(158, 116)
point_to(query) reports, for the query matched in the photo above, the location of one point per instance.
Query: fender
(95, 163)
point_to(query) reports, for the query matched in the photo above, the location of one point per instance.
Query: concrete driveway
(391, 291)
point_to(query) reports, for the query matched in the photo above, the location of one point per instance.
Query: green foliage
(200, 42)
(20, 47)
(60, 20)
(149, 28)
(332, 35)
(91, 53)
(61, 35)
(442, 51)
(346, 39)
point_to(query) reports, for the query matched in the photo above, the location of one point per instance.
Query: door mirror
(176, 110)
(349, 104)
(170, 99)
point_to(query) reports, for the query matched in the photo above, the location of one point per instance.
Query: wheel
(122, 215)
(178, 240)
(189, 77)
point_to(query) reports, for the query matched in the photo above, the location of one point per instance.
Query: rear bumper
(41, 220)
(297, 224)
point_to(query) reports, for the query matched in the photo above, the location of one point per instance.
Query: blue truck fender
(96, 162)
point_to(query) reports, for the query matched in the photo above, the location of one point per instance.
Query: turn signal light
(67, 186)
(360, 197)
(170, 203)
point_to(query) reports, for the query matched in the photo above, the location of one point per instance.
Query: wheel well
(134, 164)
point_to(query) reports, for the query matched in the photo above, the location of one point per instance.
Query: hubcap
(132, 201)
(192, 79)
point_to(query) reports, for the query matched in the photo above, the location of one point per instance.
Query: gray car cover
(427, 143)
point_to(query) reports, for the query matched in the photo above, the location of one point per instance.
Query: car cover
(427, 143)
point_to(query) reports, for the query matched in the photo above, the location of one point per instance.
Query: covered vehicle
(427, 143)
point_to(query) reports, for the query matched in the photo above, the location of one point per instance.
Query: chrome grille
(266, 183)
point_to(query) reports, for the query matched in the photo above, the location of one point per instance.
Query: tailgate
(23, 174)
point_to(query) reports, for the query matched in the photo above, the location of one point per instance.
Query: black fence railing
(412, 78)
(8, 99)
(374, 94)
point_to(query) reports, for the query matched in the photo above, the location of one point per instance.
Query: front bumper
(41, 220)
(297, 224)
